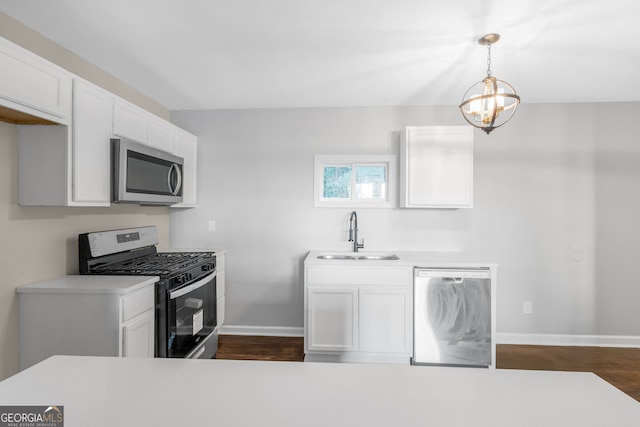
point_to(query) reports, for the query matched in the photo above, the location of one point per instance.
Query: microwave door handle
(192, 287)
(174, 169)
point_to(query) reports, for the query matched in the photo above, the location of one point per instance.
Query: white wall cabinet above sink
(436, 167)
(33, 86)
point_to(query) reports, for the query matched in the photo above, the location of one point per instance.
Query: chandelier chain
(488, 59)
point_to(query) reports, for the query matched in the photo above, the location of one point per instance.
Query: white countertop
(407, 259)
(104, 391)
(91, 284)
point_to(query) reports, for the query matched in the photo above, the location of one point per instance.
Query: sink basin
(337, 257)
(379, 257)
(360, 257)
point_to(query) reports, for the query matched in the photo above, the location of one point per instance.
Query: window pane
(371, 182)
(337, 182)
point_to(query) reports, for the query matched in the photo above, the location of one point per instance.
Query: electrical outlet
(212, 225)
(527, 307)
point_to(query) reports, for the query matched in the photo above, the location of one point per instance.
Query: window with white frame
(355, 181)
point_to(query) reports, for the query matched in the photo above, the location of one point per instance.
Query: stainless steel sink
(360, 257)
(379, 257)
(337, 257)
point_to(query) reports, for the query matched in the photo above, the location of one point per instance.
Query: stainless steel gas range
(185, 296)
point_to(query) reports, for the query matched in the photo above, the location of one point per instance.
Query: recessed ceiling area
(219, 54)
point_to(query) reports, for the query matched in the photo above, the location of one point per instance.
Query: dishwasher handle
(457, 275)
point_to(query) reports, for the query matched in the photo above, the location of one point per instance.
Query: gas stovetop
(133, 251)
(158, 264)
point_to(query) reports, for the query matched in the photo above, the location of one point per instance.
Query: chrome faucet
(353, 232)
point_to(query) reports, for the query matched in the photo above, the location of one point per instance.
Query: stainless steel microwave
(143, 174)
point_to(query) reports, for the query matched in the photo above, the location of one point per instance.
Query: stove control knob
(179, 279)
(206, 267)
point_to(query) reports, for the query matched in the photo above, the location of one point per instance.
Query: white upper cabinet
(60, 165)
(436, 167)
(91, 143)
(65, 126)
(187, 148)
(32, 85)
(162, 134)
(130, 121)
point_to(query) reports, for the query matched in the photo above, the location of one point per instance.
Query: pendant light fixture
(490, 103)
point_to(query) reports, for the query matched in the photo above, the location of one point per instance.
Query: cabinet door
(187, 148)
(436, 169)
(137, 336)
(220, 291)
(33, 85)
(130, 121)
(385, 319)
(332, 319)
(161, 134)
(91, 145)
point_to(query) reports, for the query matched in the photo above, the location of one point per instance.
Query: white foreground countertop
(90, 284)
(104, 391)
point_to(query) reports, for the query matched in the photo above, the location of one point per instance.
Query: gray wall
(556, 201)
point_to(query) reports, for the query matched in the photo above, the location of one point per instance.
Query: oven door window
(192, 315)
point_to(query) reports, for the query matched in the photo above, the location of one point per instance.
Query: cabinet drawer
(360, 276)
(137, 303)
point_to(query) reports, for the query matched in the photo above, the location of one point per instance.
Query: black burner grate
(161, 264)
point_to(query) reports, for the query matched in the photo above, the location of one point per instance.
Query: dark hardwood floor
(242, 347)
(618, 366)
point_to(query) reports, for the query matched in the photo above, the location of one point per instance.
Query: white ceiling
(209, 54)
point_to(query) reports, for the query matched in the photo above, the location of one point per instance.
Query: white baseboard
(274, 331)
(569, 340)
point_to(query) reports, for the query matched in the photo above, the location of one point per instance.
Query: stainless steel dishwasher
(452, 317)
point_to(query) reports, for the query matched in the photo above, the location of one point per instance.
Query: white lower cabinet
(385, 319)
(332, 319)
(220, 288)
(358, 314)
(86, 316)
(137, 336)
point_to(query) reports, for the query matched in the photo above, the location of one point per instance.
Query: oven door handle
(192, 287)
